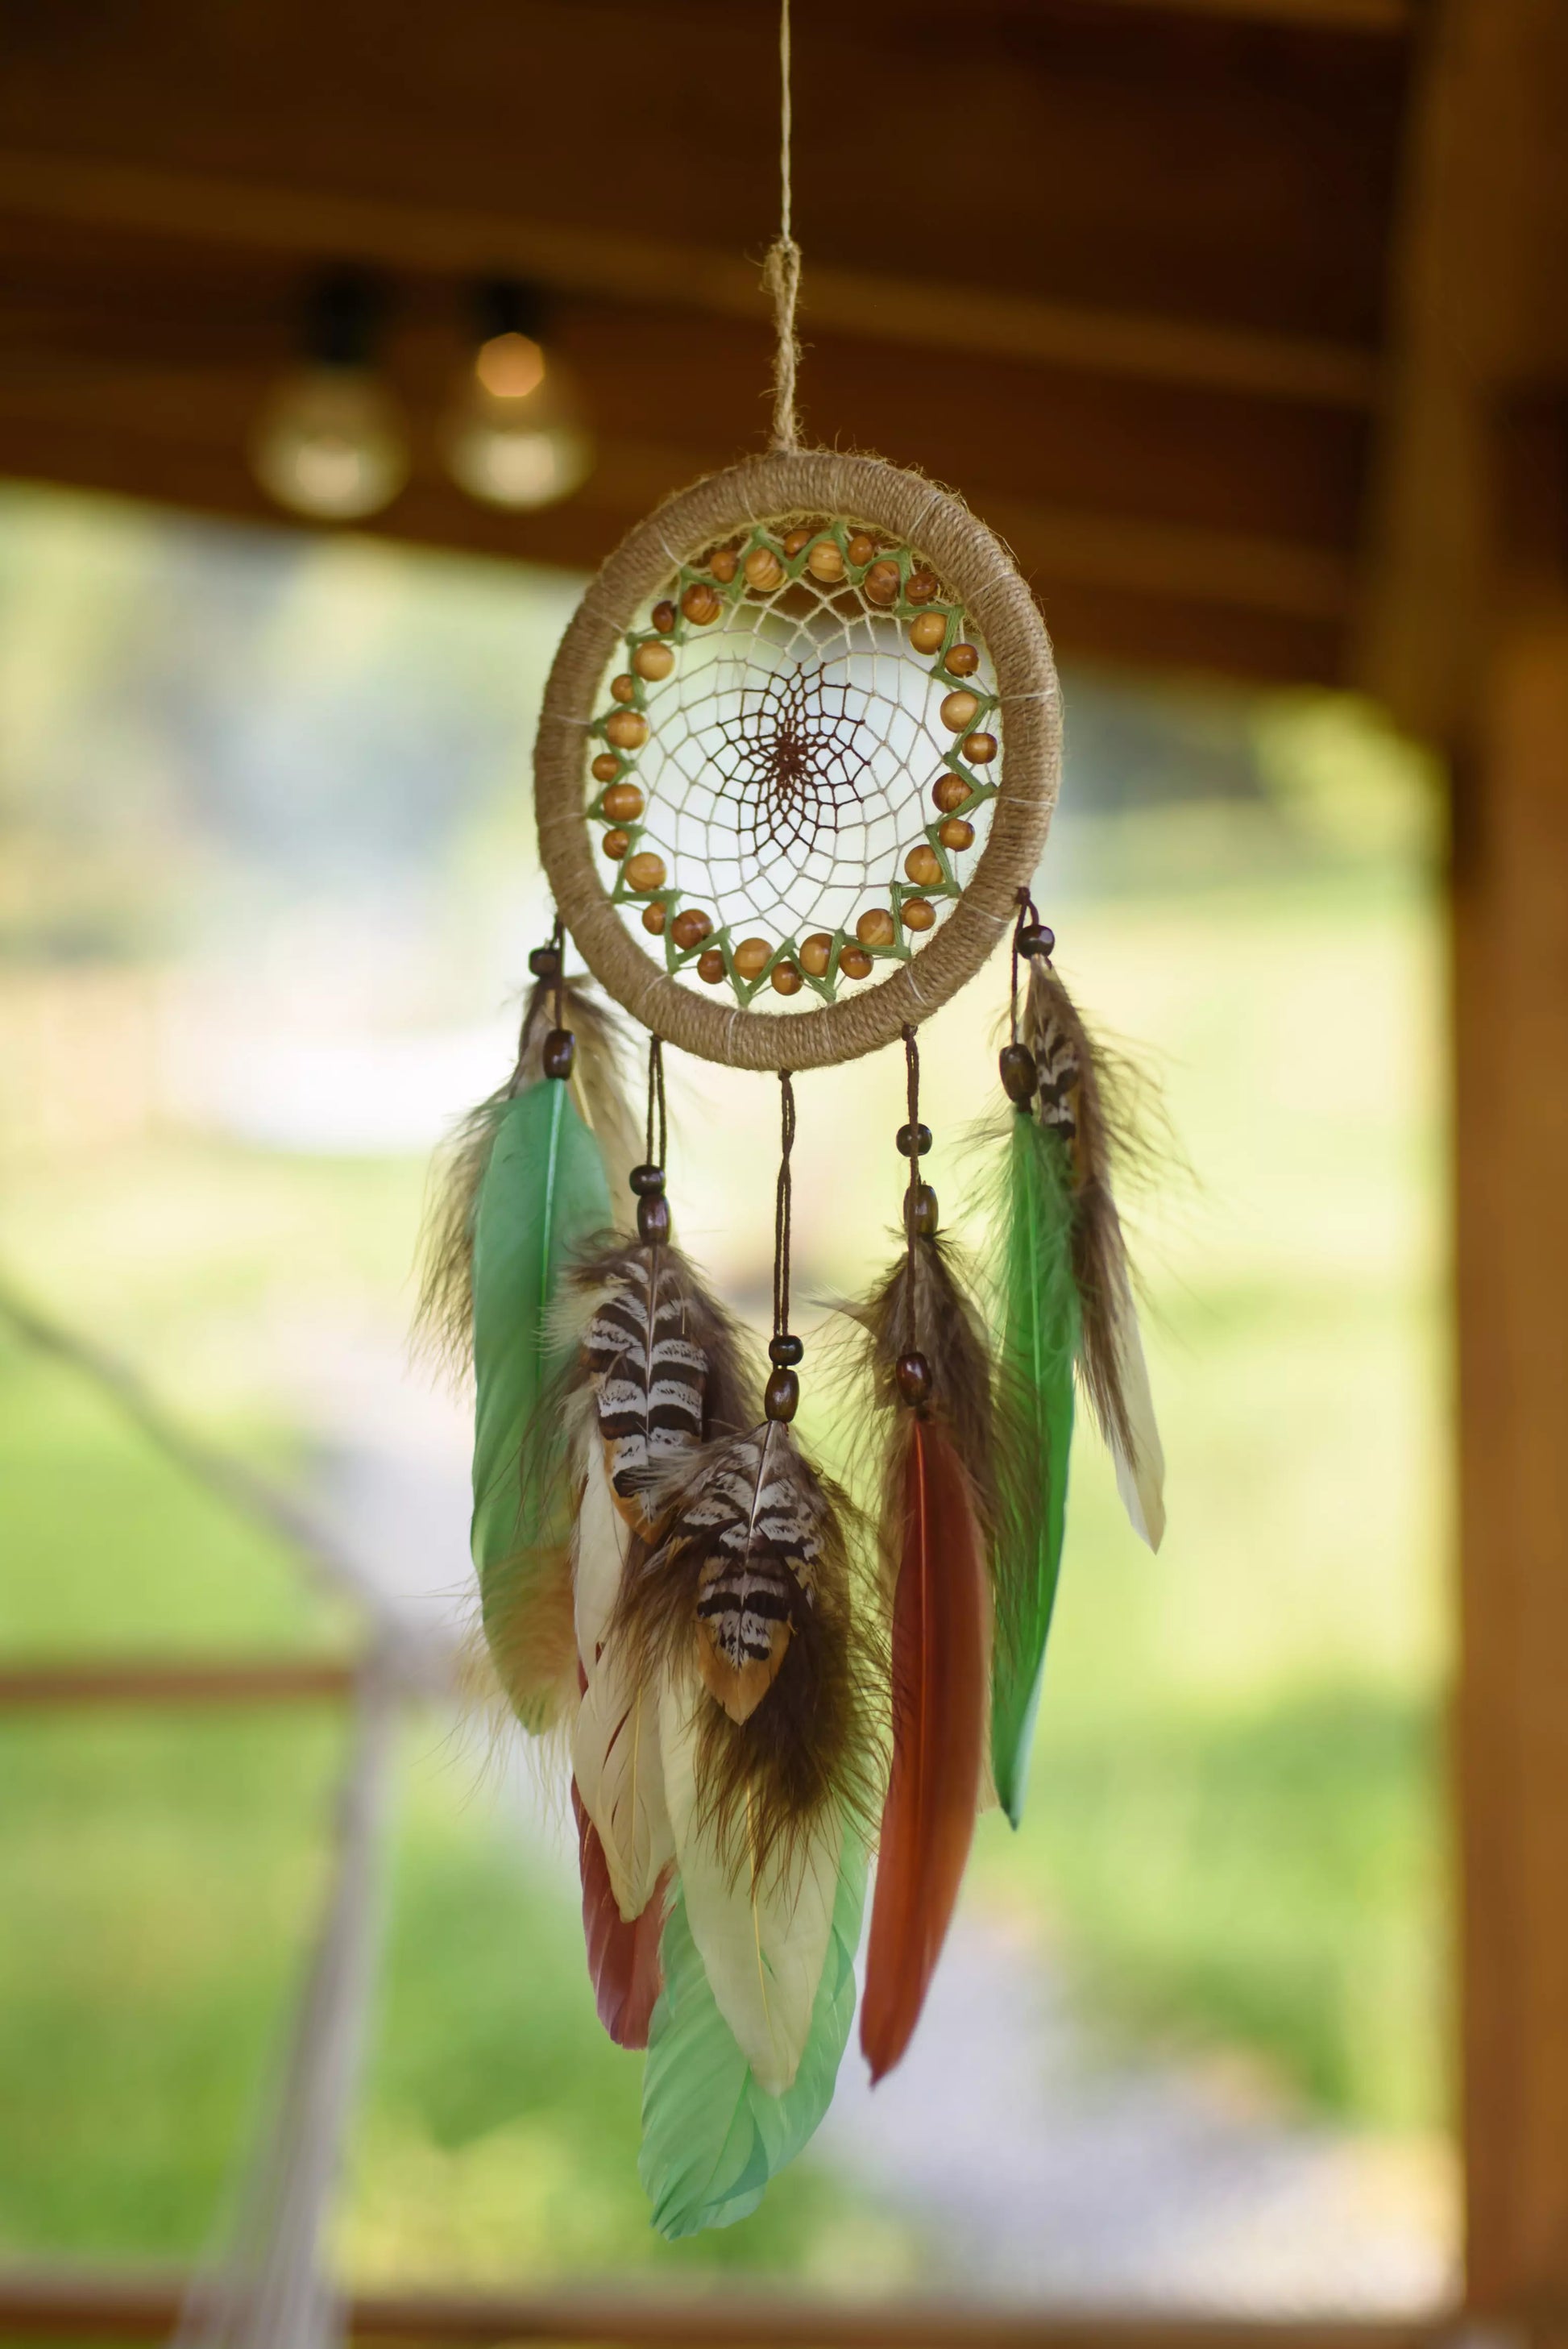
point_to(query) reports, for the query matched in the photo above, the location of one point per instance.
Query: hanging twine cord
(659, 1138)
(558, 946)
(781, 271)
(1028, 912)
(781, 1207)
(912, 1074)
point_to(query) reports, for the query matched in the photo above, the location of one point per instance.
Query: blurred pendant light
(514, 434)
(331, 441)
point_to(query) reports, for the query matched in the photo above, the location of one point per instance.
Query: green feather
(1039, 1346)
(711, 2137)
(543, 1194)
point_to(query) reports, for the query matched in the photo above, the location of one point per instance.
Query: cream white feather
(763, 1942)
(599, 1545)
(1140, 1472)
(616, 1762)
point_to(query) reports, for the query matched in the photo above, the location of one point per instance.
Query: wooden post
(1510, 1113)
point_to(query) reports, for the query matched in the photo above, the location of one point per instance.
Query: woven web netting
(794, 762)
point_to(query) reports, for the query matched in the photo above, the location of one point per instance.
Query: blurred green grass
(1234, 1835)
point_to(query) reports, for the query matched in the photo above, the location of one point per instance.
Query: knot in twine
(781, 281)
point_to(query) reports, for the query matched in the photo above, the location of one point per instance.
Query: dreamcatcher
(796, 763)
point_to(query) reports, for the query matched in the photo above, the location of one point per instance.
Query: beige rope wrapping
(980, 573)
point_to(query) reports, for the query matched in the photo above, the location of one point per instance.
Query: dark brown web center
(791, 757)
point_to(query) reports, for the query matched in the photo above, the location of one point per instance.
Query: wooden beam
(1480, 264)
(57, 2305)
(315, 224)
(1510, 1107)
(175, 1680)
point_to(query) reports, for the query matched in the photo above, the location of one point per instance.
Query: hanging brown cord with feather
(931, 1368)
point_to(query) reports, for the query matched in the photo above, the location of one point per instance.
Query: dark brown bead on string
(654, 1220)
(544, 962)
(1020, 1078)
(920, 1212)
(912, 1373)
(647, 1181)
(560, 1052)
(781, 1396)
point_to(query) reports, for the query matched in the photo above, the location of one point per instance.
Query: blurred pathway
(1033, 2163)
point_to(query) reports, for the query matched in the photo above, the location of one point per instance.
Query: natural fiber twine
(973, 564)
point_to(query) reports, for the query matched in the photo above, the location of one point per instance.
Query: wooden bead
(923, 865)
(980, 750)
(544, 962)
(874, 928)
(956, 834)
(913, 1373)
(654, 1220)
(825, 562)
(624, 687)
(751, 956)
(653, 919)
(816, 954)
(917, 914)
(949, 791)
(653, 661)
(628, 728)
(701, 603)
(786, 978)
(926, 631)
(605, 767)
(615, 843)
(645, 872)
(663, 616)
(559, 1052)
(854, 963)
(961, 660)
(786, 1351)
(763, 570)
(880, 583)
(710, 967)
(860, 548)
(690, 928)
(623, 803)
(794, 540)
(921, 585)
(724, 564)
(920, 1209)
(1020, 1076)
(960, 710)
(782, 1395)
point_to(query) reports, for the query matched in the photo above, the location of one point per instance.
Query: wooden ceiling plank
(321, 226)
(1390, 18)
(1187, 167)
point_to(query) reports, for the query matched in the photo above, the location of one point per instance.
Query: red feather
(940, 1644)
(623, 1960)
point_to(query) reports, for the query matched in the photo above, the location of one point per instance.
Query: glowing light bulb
(331, 441)
(514, 434)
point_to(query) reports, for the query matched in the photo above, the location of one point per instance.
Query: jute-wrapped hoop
(972, 561)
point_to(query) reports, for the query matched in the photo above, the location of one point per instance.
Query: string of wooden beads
(859, 562)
